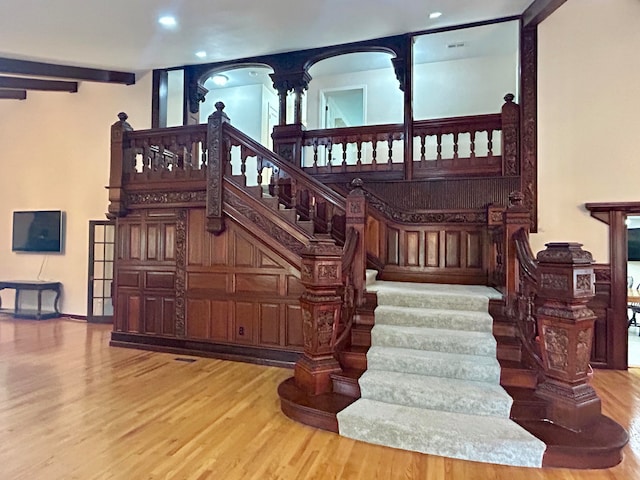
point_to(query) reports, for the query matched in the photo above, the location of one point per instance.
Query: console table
(38, 314)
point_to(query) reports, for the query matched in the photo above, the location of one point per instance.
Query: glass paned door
(101, 257)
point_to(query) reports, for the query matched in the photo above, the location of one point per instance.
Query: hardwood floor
(71, 407)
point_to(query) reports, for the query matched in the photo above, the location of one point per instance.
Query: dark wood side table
(39, 286)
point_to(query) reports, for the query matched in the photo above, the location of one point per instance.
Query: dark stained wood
(21, 83)
(159, 99)
(601, 306)
(539, 10)
(529, 121)
(24, 67)
(7, 94)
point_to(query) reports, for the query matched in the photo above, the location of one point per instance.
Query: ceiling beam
(24, 67)
(538, 11)
(36, 84)
(12, 94)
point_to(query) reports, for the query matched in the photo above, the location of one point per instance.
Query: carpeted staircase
(432, 383)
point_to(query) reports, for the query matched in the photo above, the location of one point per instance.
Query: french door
(101, 257)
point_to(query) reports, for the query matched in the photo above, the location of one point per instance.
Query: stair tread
(434, 318)
(434, 339)
(428, 354)
(447, 394)
(457, 435)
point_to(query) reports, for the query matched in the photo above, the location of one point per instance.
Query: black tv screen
(633, 244)
(37, 231)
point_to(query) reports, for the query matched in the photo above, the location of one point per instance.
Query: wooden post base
(572, 407)
(313, 375)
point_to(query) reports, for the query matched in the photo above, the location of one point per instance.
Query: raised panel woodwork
(160, 280)
(294, 286)
(265, 261)
(452, 249)
(243, 252)
(269, 331)
(245, 313)
(152, 311)
(373, 236)
(169, 251)
(135, 242)
(197, 318)
(220, 320)
(393, 246)
(293, 318)
(212, 282)
(195, 234)
(474, 249)
(152, 242)
(252, 283)
(412, 254)
(128, 279)
(168, 316)
(218, 248)
(133, 313)
(432, 249)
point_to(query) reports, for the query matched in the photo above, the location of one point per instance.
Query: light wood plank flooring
(71, 407)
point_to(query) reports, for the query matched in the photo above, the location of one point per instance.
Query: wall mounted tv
(38, 231)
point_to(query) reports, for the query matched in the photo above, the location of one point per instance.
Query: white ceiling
(125, 35)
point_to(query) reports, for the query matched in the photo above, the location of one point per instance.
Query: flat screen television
(633, 244)
(38, 231)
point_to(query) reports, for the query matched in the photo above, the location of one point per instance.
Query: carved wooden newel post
(121, 163)
(356, 219)
(321, 274)
(218, 159)
(510, 116)
(566, 282)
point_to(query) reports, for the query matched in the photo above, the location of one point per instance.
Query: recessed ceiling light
(201, 54)
(167, 21)
(434, 15)
(220, 80)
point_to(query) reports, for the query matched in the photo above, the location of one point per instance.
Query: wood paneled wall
(448, 253)
(175, 279)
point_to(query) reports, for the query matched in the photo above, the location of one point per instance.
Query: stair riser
(509, 352)
(354, 360)
(501, 329)
(344, 386)
(518, 377)
(361, 337)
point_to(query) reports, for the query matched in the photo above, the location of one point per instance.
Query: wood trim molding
(25, 67)
(22, 83)
(539, 10)
(6, 94)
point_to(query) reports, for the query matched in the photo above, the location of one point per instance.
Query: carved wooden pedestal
(566, 283)
(321, 274)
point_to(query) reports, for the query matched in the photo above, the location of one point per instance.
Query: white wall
(588, 123)
(469, 86)
(55, 155)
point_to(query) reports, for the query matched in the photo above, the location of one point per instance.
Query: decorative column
(566, 282)
(510, 117)
(287, 138)
(121, 163)
(217, 162)
(321, 275)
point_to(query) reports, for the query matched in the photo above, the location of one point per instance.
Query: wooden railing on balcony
(468, 145)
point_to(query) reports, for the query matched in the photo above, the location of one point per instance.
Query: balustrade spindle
(315, 154)
(490, 143)
(359, 152)
(294, 194)
(390, 146)
(329, 148)
(472, 145)
(275, 181)
(455, 145)
(374, 152)
(439, 146)
(423, 149)
(203, 146)
(344, 155)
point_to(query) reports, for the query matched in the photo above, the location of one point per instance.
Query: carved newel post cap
(123, 116)
(516, 199)
(509, 97)
(219, 106)
(569, 253)
(219, 113)
(357, 183)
